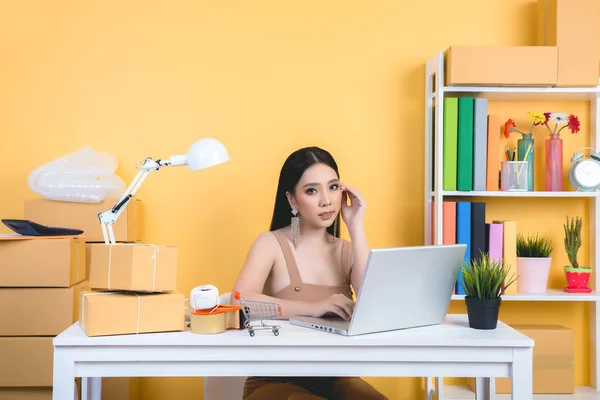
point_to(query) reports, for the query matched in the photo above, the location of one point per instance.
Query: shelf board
(459, 392)
(524, 93)
(550, 295)
(501, 193)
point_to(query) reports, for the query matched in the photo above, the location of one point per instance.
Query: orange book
(493, 153)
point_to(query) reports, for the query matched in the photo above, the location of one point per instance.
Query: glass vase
(554, 163)
(522, 146)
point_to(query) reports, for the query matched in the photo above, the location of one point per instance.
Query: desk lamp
(204, 153)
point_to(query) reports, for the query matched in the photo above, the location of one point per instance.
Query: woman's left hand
(354, 213)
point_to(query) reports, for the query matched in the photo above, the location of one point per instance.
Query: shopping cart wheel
(275, 331)
(251, 333)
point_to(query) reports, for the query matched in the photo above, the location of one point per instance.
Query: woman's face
(318, 197)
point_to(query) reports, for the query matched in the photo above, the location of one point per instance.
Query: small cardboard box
(572, 26)
(133, 267)
(553, 360)
(84, 216)
(39, 311)
(26, 361)
(37, 261)
(118, 313)
(501, 65)
(26, 393)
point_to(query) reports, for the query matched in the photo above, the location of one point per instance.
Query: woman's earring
(295, 227)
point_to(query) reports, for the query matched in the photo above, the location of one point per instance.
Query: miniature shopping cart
(256, 311)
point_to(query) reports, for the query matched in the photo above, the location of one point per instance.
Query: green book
(464, 175)
(450, 142)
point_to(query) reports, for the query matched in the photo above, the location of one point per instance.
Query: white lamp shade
(206, 152)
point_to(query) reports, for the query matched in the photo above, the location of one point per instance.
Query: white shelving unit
(436, 91)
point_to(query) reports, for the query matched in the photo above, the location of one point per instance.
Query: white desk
(449, 349)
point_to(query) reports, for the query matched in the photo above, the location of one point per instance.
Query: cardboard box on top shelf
(553, 360)
(84, 216)
(132, 266)
(39, 311)
(26, 361)
(26, 393)
(572, 26)
(119, 313)
(501, 66)
(38, 261)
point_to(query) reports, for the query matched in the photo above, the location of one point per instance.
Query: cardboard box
(501, 66)
(84, 216)
(134, 267)
(39, 311)
(28, 393)
(120, 388)
(35, 261)
(572, 26)
(553, 360)
(118, 313)
(26, 361)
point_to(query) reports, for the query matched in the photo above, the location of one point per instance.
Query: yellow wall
(265, 77)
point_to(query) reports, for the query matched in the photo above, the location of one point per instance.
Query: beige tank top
(300, 291)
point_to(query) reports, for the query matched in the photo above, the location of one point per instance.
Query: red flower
(573, 123)
(547, 115)
(508, 125)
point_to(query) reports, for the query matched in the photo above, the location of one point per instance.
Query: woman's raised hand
(354, 213)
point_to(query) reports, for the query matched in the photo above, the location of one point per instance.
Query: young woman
(303, 265)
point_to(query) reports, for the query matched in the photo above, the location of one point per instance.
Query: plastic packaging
(84, 176)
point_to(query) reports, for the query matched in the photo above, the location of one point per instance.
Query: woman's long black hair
(290, 174)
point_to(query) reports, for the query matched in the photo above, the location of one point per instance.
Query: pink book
(495, 245)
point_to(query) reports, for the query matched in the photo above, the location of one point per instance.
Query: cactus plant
(573, 239)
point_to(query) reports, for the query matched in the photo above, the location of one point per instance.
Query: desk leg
(64, 376)
(484, 388)
(91, 388)
(428, 388)
(522, 374)
(439, 388)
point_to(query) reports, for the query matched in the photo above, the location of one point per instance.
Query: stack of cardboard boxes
(565, 53)
(40, 283)
(57, 272)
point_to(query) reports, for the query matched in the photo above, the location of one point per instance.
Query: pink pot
(533, 274)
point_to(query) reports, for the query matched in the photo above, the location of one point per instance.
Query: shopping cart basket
(256, 311)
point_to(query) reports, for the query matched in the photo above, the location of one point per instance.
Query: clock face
(587, 173)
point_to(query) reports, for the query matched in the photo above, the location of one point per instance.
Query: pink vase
(532, 274)
(554, 164)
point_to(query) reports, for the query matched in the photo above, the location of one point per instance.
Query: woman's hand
(337, 304)
(354, 213)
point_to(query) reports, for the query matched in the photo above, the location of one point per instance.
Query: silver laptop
(403, 287)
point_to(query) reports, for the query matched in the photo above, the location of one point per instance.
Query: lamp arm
(109, 217)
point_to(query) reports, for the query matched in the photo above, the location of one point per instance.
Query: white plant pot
(533, 274)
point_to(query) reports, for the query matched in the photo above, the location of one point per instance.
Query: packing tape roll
(222, 318)
(204, 297)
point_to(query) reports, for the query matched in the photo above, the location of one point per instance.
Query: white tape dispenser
(204, 297)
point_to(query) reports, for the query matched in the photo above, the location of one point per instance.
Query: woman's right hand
(336, 304)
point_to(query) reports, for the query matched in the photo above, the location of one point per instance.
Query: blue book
(463, 235)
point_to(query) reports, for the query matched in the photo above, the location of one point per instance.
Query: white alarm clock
(585, 172)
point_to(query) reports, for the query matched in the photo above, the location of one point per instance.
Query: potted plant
(533, 263)
(577, 276)
(484, 281)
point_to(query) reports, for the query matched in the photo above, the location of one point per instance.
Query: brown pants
(309, 389)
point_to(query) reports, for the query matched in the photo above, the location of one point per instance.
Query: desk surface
(454, 331)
